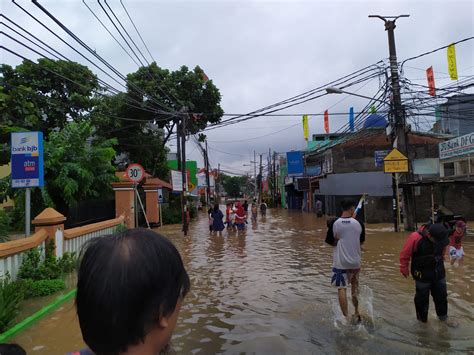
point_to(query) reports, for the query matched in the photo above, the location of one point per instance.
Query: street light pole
(401, 135)
(334, 90)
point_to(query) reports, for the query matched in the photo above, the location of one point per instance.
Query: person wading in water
(426, 249)
(347, 235)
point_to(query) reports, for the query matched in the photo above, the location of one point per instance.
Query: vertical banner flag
(351, 119)
(305, 127)
(326, 121)
(453, 71)
(431, 82)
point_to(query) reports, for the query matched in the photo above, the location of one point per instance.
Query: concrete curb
(27, 322)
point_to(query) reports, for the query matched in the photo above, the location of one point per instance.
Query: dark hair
(11, 349)
(216, 207)
(126, 283)
(347, 204)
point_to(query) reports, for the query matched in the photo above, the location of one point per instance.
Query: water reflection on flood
(268, 291)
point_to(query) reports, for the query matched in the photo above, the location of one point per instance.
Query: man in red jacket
(426, 248)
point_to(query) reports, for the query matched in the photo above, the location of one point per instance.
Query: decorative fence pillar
(51, 221)
(124, 202)
(151, 190)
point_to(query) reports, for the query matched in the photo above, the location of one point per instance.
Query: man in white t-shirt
(347, 235)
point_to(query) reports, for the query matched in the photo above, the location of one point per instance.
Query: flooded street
(269, 292)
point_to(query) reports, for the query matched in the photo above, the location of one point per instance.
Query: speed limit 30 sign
(135, 173)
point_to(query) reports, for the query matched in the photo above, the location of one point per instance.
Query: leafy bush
(10, 299)
(120, 228)
(50, 269)
(68, 262)
(4, 226)
(30, 288)
(171, 215)
(33, 268)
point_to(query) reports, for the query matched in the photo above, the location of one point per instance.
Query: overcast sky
(261, 52)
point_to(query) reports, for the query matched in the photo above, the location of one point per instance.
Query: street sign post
(135, 173)
(27, 166)
(395, 162)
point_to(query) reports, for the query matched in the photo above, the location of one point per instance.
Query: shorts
(455, 253)
(343, 278)
(240, 226)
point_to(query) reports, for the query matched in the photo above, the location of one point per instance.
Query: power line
(146, 70)
(433, 51)
(127, 102)
(90, 50)
(136, 29)
(110, 33)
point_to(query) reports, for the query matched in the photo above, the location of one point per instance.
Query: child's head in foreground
(129, 292)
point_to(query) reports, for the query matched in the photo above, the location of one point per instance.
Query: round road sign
(135, 173)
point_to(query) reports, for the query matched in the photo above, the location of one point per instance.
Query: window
(462, 167)
(448, 169)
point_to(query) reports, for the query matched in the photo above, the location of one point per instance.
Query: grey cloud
(260, 52)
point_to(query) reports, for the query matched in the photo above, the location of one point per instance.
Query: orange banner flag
(326, 121)
(431, 81)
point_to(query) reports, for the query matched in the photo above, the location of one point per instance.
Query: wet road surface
(268, 291)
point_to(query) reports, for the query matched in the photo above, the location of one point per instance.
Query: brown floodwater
(268, 291)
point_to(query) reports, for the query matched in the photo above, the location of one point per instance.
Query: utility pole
(260, 182)
(218, 181)
(184, 175)
(255, 174)
(208, 186)
(274, 180)
(400, 135)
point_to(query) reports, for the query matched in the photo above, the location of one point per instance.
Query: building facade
(353, 165)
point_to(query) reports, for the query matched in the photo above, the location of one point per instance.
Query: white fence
(12, 252)
(75, 244)
(70, 240)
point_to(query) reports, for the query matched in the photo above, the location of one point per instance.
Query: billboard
(295, 163)
(27, 159)
(191, 166)
(177, 180)
(462, 145)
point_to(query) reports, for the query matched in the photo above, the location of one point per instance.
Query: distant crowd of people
(236, 216)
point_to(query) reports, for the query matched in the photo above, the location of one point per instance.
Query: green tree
(43, 96)
(78, 165)
(139, 129)
(46, 95)
(138, 141)
(233, 185)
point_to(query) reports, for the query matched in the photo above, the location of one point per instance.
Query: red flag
(326, 121)
(205, 77)
(431, 81)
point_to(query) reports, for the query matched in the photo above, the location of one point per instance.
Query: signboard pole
(27, 169)
(27, 211)
(397, 178)
(135, 192)
(161, 215)
(141, 205)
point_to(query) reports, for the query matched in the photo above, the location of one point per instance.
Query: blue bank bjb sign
(27, 159)
(295, 164)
